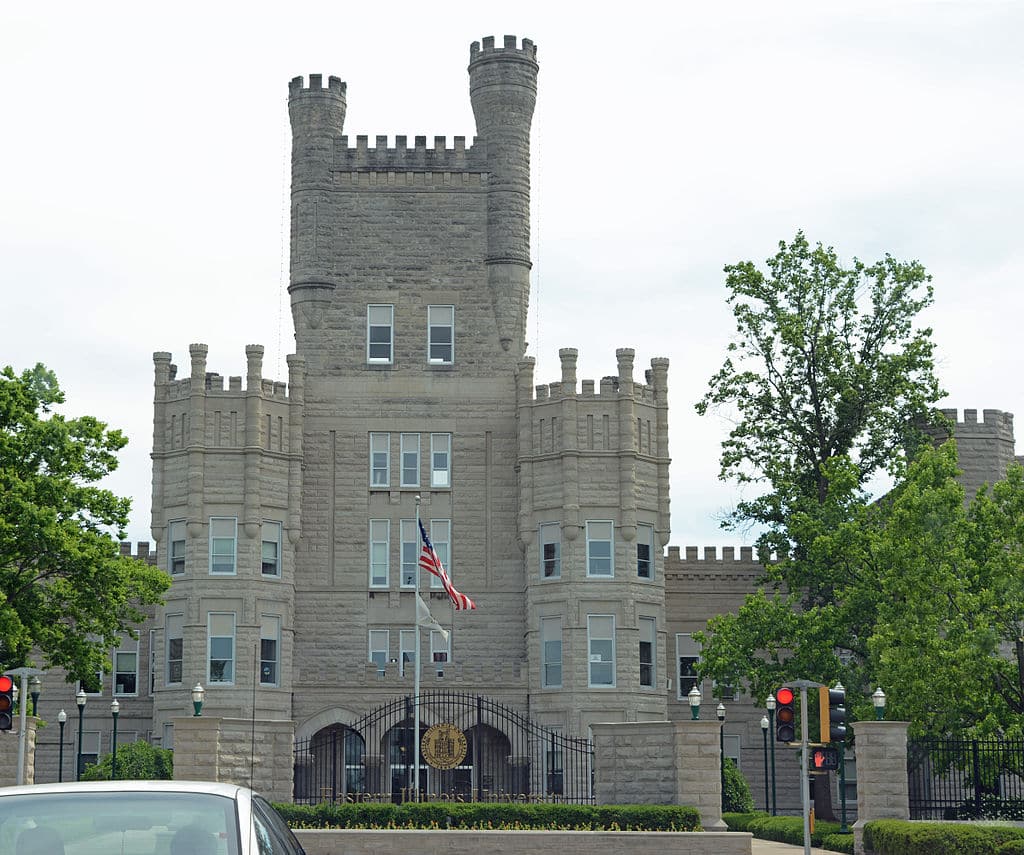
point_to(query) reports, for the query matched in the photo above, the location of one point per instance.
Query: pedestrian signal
(823, 759)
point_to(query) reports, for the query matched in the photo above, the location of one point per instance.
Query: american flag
(432, 564)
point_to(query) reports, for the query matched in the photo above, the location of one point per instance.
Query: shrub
(135, 761)
(736, 796)
(901, 837)
(839, 843)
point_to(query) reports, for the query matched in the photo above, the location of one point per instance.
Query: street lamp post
(62, 719)
(198, 695)
(720, 713)
(694, 696)
(770, 704)
(80, 699)
(115, 708)
(764, 739)
(878, 699)
(35, 689)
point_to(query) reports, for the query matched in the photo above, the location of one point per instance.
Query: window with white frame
(600, 548)
(174, 631)
(380, 460)
(152, 662)
(92, 684)
(126, 668)
(223, 544)
(89, 749)
(440, 649)
(406, 649)
(441, 460)
(380, 334)
(645, 551)
(601, 650)
(176, 547)
(441, 334)
(410, 457)
(410, 535)
(270, 649)
(380, 546)
(551, 652)
(270, 548)
(550, 550)
(379, 645)
(220, 630)
(688, 657)
(648, 647)
(441, 537)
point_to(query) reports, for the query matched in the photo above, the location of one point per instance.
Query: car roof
(229, 790)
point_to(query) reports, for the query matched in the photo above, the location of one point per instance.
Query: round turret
(315, 110)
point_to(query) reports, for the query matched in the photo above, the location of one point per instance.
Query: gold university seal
(443, 746)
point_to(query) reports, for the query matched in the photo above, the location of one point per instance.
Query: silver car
(141, 818)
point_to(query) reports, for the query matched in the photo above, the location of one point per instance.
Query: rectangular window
(410, 552)
(599, 548)
(551, 652)
(90, 749)
(379, 645)
(174, 631)
(648, 646)
(688, 657)
(440, 460)
(221, 650)
(380, 334)
(441, 334)
(223, 537)
(270, 649)
(407, 649)
(380, 460)
(645, 551)
(550, 550)
(554, 764)
(126, 668)
(601, 650)
(271, 548)
(441, 537)
(440, 651)
(410, 444)
(176, 547)
(380, 546)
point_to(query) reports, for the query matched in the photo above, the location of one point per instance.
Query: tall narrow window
(407, 649)
(126, 668)
(441, 537)
(550, 550)
(688, 657)
(379, 644)
(440, 651)
(648, 645)
(410, 552)
(645, 551)
(223, 539)
(441, 334)
(270, 649)
(410, 443)
(174, 626)
(380, 541)
(221, 649)
(176, 547)
(271, 548)
(601, 649)
(600, 548)
(440, 460)
(380, 460)
(551, 652)
(380, 334)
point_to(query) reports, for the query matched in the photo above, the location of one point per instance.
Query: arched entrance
(330, 766)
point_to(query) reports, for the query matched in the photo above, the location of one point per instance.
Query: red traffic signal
(6, 702)
(785, 715)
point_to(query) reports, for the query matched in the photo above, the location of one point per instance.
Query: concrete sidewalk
(770, 847)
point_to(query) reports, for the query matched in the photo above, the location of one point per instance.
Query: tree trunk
(821, 790)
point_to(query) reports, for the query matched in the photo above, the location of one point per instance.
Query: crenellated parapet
(418, 157)
(984, 448)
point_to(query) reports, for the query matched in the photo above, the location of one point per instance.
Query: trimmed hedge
(500, 815)
(902, 837)
(790, 829)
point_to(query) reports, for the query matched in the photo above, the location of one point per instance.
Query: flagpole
(416, 679)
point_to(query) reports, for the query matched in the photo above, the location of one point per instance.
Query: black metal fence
(499, 755)
(966, 778)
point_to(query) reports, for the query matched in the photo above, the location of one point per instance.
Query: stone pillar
(9, 754)
(699, 770)
(882, 787)
(197, 748)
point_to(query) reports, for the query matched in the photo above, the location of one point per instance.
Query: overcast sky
(144, 168)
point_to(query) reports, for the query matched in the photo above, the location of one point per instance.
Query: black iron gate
(966, 778)
(489, 752)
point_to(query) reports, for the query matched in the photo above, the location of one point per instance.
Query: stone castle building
(285, 510)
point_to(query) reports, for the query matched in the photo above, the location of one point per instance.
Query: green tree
(137, 761)
(65, 589)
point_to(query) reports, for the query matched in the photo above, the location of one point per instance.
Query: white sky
(143, 180)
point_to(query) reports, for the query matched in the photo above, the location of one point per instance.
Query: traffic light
(6, 702)
(785, 715)
(824, 758)
(832, 703)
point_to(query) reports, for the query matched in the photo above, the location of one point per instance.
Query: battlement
(993, 421)
(610, 386)
(403, 157)
(142, 551)
(481, 52)
(211, 382)
(335, 87)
